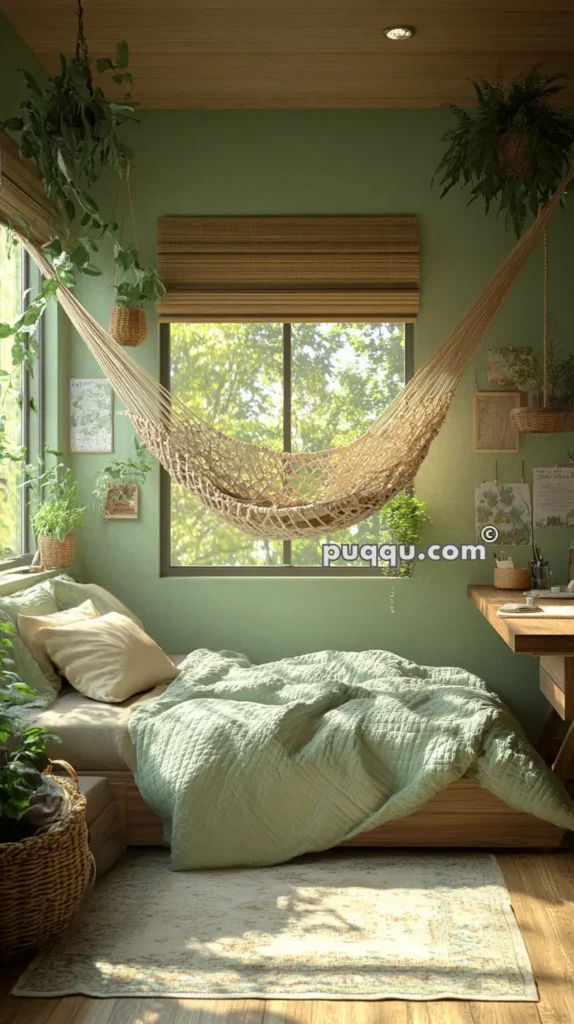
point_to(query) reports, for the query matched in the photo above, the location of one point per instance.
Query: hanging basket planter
(128, 326)
(543, 420)
(514, 160)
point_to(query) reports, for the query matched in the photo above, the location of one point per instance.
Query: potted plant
(404, 517)
(57, 511)
(23, 755)
(551, 389)
(117, 484)
(513, 150)
(135, 285)
(45, 862)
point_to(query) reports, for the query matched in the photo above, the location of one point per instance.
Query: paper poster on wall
(91, 415)
(494, 430)
(554, 496)
(506, 506)
(506, 366)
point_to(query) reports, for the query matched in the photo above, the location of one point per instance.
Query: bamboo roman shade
(288, 268)
(22, 195)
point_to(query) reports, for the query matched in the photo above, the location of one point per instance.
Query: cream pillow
(29, 627)
(109, 658)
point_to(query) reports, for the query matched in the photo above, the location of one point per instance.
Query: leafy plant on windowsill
(404, 517)
(71, 130)
(513, 150)
(53, 498)
(124, 475)
(23, 755)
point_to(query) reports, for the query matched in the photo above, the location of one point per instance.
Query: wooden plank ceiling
(306, 53)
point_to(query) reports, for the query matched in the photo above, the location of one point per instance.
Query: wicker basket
(513, 158)
(128, 326)
(54, 553)
(43, 880)
(543, 420)
(512, 579)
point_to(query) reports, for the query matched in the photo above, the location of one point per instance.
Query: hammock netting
(276, 495)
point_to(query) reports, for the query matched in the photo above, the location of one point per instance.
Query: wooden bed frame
(463, 814)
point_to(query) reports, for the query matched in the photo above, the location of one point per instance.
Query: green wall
(336, 162)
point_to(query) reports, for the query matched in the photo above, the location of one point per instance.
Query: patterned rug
(375, 925)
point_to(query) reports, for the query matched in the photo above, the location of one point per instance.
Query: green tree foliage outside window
(343, 376)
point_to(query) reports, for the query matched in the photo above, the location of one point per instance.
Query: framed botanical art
(507, 366)
(91, 416)
(494, 430)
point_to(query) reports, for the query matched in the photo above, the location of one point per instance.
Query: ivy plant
(404, 517)
(472, 156)
(73, 133)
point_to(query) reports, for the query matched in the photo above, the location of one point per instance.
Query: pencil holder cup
(512, 579)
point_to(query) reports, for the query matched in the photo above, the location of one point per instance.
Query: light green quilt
(255, 764)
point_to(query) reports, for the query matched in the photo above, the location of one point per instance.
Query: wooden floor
(542, 889)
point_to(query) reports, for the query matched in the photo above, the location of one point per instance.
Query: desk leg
(546, 743)
(565, 758)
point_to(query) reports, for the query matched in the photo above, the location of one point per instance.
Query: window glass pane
(10, 491)
(232, 376)
(343, 377)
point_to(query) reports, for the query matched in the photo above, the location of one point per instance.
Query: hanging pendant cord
(546, 322)
(81, 44)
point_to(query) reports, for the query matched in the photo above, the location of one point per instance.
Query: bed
(95, 739)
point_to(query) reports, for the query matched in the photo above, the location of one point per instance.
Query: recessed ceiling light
(399, 32)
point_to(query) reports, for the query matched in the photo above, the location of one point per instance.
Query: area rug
(375, 925)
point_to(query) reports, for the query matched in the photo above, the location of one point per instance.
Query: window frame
(28, 275)
(291, 571)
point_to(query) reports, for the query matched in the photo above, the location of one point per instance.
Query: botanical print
(506, 506)
(384, 925)
(494, 430)
(91, 416)
(122, 501)
(554, 496)
(507, 366)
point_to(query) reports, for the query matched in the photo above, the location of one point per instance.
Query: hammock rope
(276, 495)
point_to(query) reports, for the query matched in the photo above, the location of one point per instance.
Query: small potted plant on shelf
(513, 150)
(57, 511)
(117, 484)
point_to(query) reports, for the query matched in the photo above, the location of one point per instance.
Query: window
(293, 387)
(14, 283)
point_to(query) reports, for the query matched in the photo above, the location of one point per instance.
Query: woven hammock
(276, 495)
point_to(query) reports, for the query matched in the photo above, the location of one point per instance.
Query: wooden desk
(551, 640)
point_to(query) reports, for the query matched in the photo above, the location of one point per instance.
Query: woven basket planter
(512, 579)
(543, 420)
(128, 326)
(43, 880)
(54, 553)
(513, 158)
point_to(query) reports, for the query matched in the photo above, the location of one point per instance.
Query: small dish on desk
(555, 593)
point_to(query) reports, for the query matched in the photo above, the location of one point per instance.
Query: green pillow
(69, 594)
(35, 600)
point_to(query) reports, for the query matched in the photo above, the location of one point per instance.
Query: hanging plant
(134, 285)
(71, 130)
(513, 150)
